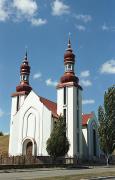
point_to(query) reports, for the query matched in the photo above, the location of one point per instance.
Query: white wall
(71, 117)
(70, 122)
(93, 124)
(85, 142)
(33, 120)
(80, 121)
(60, 99)
(88, 137)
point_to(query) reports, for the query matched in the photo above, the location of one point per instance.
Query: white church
(33, 116)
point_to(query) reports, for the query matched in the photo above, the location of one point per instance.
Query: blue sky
(43, 26)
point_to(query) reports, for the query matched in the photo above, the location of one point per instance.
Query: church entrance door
(29, 148)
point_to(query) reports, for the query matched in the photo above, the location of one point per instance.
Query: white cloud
(85, 73)
(49, 82)
(21, 10)
(4, 13)
(88, 101)
(1, 112)
(105, 27)
(38, 22)
(26, 7)
(86, 83)
(108, 67)
(108, 28)
(80, 27)
(37, 76)
(59, 8)
(83, 17)
(28, 10)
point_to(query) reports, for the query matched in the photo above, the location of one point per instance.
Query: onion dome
(69, 61)
(24, 75)
(69, 77)
(25, 68)
(23, 87)
(69, 56)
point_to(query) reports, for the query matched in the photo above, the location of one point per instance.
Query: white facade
(69, 103)
(73, 120)
(90, 138)
(31, 123)
(32, 117)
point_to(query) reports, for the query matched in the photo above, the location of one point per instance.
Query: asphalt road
(26, 174)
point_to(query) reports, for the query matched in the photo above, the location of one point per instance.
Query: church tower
(23, 89)
(69, 103)
(18, 98)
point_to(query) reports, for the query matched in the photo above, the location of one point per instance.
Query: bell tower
(18, 98)
(23, 89)
(69, 103)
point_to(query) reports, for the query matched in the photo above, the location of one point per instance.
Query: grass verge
(79, 176)
(4, 141)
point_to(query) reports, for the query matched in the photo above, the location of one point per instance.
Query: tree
(106, 118)
(57, 144)
(1, 133)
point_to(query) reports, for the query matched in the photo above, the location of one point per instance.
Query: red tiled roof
(85, 118)
(52, 106)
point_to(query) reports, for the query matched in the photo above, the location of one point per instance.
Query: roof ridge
(48, 99)
(86, 117)
(87, 114)
(52, 106)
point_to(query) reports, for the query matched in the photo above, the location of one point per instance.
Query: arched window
(94, 142)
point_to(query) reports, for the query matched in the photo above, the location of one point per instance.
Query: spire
(24, 76)
(69, 42)
(69, 78)
(25, 68)
(69, 57)
(26, 55)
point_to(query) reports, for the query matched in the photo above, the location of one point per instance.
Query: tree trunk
(107, 160)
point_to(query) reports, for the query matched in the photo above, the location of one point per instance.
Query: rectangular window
(17, 106)
(64, 95)
(78, 118)
(77, 108)
(78, 142)
(77, 98)
(94, 142)
(64, 114)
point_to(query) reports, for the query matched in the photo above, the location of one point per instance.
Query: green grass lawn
(80, 176)
(4, 141)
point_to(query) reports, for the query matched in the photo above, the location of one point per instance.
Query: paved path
(26, 174)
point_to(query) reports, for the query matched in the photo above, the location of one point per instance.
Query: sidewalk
(21, 174)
